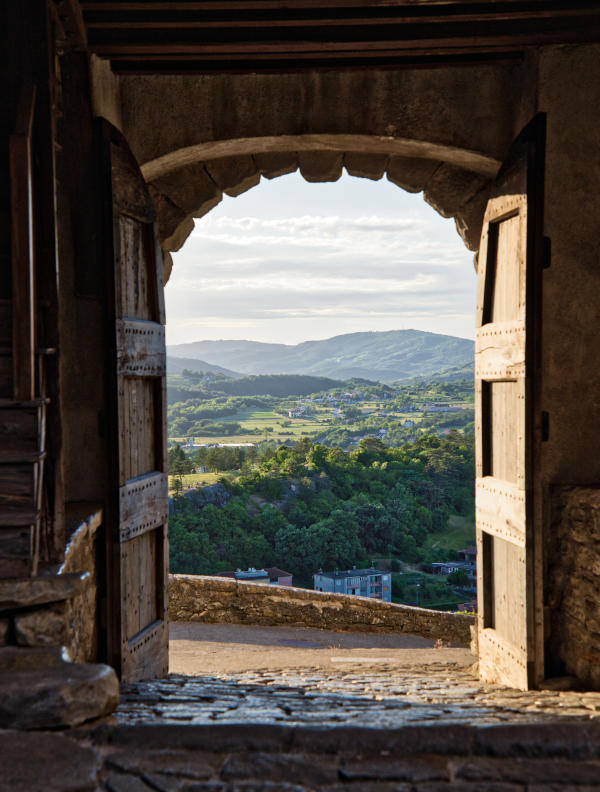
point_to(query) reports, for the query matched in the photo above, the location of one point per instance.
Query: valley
(302, 471)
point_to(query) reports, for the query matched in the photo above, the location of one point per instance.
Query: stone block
(191, 188)
(233, 175)
(125, 783)
(469, 219)
(411, 174)
(174, 225)
(167, 265)
(415, 769)
(320, 166)
(187, 764)
(365, 166)
(450, 188)
(303, 769)
(214, 738)
(177, 239)
(276, 163)
(26, 592)
(563, 788)
(17, 658)
(65, 694)
(46, 762)
(164, 783)
(47, 626)
(575, 740)
(527, 771)
(447, 739)
(372, 786)
(466, 786)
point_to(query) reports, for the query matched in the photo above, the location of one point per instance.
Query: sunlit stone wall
(214, 599)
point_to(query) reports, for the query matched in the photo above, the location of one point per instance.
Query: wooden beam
(156, 20)
(196, 36)
(288, 65)
(283, 6)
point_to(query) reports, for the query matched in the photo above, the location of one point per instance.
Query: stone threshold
(557, 757)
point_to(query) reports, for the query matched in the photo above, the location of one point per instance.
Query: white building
(362, 582)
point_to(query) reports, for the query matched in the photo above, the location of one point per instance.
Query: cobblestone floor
(393, 728)
(387, 697)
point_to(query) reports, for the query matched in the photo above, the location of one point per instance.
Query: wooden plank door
(508, 427)
(136, 518)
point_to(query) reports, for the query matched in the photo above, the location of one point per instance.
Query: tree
(177, 485)
(458, 578)
(178, 461)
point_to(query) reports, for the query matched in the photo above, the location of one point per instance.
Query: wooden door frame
(527, 152)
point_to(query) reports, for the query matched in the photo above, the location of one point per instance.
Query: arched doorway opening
(330, 258)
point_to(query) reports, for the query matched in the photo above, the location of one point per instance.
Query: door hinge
(547, 253)
(545, 426)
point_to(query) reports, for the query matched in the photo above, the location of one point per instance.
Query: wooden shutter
(137, 516)
(507, 445)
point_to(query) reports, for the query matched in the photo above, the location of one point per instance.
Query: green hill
(176, 365)
(385, 356)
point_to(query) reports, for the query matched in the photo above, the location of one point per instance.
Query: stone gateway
(121, 123)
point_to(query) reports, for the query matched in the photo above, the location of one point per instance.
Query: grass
(192, 480)
(459, 533)
(259, 420)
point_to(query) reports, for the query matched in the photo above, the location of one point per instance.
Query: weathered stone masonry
(234, 758)
(215, 599)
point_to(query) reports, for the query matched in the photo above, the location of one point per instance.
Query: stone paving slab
(434, 728)
(387, 697)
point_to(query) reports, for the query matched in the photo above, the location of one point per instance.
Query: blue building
(362, 582)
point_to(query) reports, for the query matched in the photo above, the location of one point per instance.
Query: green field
(191, 480)
(260, 421)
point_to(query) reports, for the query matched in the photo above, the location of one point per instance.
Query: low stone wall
(214, 599)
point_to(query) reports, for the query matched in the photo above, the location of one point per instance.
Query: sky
(288, 261)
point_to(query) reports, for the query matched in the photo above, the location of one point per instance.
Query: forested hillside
(311, 507)
(201, 368)
(386, 356)
(276, 385)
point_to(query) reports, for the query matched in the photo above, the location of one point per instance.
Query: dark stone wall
(572, 588)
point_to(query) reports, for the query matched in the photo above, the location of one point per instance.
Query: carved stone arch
(188, 183)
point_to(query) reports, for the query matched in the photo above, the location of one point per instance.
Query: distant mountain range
(387, 356)
(175, 365)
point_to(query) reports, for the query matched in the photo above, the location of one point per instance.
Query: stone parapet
(201, 598)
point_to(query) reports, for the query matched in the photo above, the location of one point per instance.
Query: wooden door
(136, 519)
(508, 423)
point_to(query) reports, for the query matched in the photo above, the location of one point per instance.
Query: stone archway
(188, 183)
(443, 132)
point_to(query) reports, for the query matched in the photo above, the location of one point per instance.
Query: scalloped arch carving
(188, 183)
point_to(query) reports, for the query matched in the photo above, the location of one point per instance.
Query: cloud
(241, 274)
